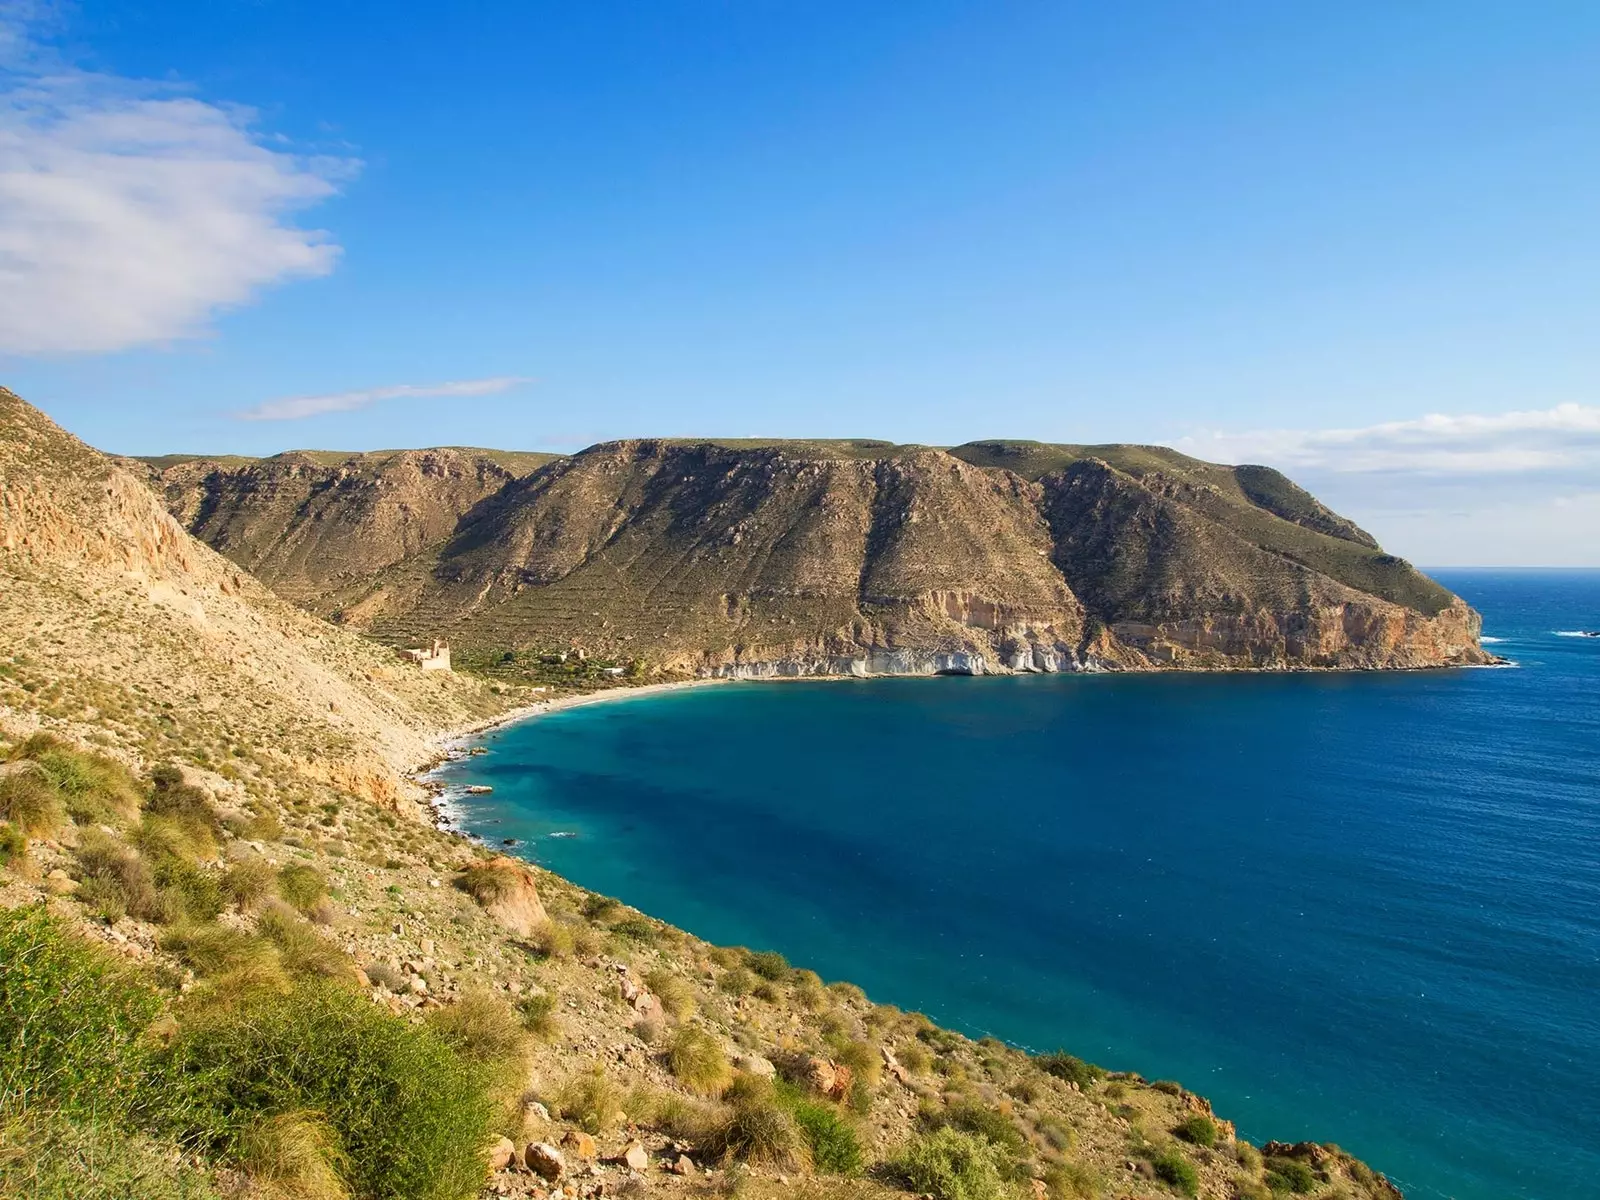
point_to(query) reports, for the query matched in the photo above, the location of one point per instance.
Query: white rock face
(1031, 657)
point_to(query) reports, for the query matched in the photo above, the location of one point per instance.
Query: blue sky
(1358, 241)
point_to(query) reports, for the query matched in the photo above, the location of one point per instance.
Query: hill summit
(751, 558)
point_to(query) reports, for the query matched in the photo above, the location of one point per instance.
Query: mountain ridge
(846, 556)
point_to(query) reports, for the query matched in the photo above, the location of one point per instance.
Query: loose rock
(544, 1160)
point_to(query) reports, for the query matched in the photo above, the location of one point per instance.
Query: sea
(1360, 908)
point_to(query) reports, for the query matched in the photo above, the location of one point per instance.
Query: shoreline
(445, 743)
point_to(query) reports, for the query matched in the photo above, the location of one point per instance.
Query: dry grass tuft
(295, 1156)
(31, 804)
(674, 991)
(697, 1060)
(591, 1101)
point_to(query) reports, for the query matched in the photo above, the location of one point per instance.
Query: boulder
(544, 1160)
(829, 1078)
(59, 883)
(504, 888)
(894, 1067)
(636, 1157)
(682, 1166)
(580, 1145)
(502, 1154)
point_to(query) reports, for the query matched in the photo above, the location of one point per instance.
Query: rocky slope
(308, 522)
(787, 558)
(116, 619)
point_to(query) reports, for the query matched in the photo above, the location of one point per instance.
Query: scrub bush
(302, 886)
(72, 1022)
(410, 1116)
(1070, 1068)
(1177, 1172)
(1290, 1175)
(1197, 1130)
(47, 1157)
(950, 1164)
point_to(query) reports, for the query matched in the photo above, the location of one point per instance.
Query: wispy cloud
(1504, 488)
(130, 212)
(293, 408)
(1563, 438)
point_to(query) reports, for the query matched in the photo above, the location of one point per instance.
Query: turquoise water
(1356, 908)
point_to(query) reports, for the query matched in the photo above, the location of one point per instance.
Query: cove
(1361, 908)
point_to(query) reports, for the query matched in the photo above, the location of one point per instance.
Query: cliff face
(801, 558)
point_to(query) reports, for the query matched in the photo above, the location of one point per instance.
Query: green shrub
(1290, 1175)
(410, 1115)
(1177, 1172)
(72, 1022)
(302, 885)
(1197, 1130)
(601, 908)
(1249, 1157)
(1072, 1181)
(160, 838)
(914, 1058)
(216, 949)
(636, 929)
(1168, 1086)
(31, 804)
(951, 1164)
(831, 1139)
(674, 991)
(771, 965)
(189, 890)
(1055, 1132)
(489, 881)
(987, 1123)
(550, 940)
(1070, 1068)
(185, 807)
(297, 1156)
(737, 982)
(697, 1060)
(47, 1157)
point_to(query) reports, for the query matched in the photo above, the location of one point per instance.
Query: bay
(1361, 908)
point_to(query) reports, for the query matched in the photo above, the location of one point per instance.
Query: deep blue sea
(1359, 908)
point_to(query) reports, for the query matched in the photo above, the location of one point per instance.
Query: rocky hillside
(308, 522)
(117, 621)
(752, 559)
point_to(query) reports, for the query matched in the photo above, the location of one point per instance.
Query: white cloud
(292, 408)
(1514, 488)
(131, 213)
(1561, 438)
